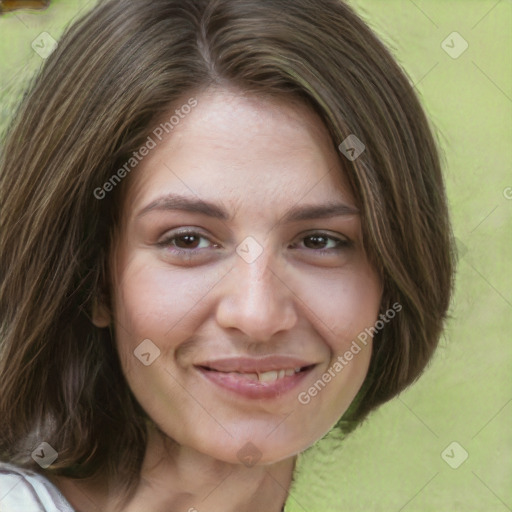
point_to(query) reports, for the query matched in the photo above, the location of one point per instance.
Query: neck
(176, 478)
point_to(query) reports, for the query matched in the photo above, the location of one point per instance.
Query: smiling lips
(257, 378)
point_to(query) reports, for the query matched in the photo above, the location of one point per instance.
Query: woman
(224, 234)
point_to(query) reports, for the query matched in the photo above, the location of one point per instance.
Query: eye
(323, 243)
(187, 243)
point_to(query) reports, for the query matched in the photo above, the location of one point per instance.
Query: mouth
(250, 378)
(263, 376)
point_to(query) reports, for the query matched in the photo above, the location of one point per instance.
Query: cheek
(153, 299)
(342, 310)
(344, 304)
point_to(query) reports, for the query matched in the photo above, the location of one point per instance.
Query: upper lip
(255, 365)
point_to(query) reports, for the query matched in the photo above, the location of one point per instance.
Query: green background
(393, 462)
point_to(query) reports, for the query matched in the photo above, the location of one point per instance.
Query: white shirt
(22, 490)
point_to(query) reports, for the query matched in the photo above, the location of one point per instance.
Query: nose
(255, 299)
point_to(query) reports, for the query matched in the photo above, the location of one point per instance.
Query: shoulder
(22, 490)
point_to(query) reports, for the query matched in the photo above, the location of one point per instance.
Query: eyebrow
(171, 202)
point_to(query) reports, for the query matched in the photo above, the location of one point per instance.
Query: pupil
(188, 240)
(316, 241)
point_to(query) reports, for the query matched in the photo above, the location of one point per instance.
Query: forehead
(243, 149)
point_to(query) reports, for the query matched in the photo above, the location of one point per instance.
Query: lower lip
(252, 388)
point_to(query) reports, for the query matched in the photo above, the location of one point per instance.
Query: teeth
(250, 376)
(277, 374)
(268, 376)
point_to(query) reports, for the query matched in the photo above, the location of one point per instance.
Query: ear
(101, 316)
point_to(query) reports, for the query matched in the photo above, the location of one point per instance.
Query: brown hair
(115, 72)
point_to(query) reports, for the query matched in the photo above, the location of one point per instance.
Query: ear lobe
(101, 316)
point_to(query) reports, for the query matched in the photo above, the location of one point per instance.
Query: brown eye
(13, 5)
(323, 242)
(316, 241)
(187, 241)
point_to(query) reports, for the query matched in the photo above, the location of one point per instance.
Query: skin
(256, 158)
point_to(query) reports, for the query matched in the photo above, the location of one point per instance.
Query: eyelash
(191, 253)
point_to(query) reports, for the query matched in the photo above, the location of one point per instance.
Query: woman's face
(240, 279)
